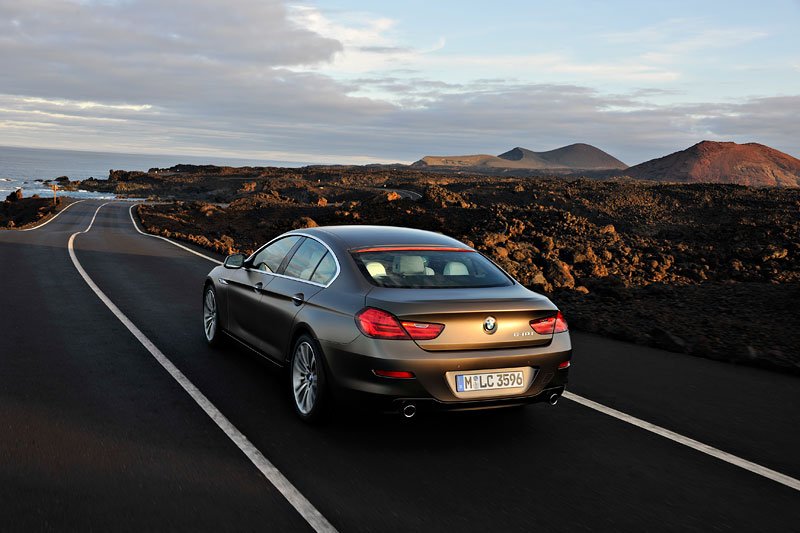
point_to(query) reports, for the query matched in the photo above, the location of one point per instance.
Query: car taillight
(422, 331)
(561, 324)
(380, 324)
(549, 325)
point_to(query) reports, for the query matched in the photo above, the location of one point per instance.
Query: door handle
(258, 286)
(298, 298)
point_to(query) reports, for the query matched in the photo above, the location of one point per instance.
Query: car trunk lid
(474, 318)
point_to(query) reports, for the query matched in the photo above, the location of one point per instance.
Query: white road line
(49, 220)
(686, 441)
(619, 415)
(204, 256)
(293, 496)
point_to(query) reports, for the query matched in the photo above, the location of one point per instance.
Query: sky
(356, 81)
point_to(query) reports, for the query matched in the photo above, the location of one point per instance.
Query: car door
(245, 286)
(306, 272)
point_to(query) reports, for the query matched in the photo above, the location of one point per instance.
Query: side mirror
(234, 261)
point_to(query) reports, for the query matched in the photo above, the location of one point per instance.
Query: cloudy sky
(356, 81)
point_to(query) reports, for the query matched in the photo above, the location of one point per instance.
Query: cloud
(196, 77)
(148, 52)
(547, 116)
(369, 45)
(681, 39)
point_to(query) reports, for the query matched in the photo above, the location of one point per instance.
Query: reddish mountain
(723, 162)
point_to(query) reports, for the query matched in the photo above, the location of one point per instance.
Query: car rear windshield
(429, 269)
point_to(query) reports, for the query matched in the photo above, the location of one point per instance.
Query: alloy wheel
(305, 378)
(210, 315)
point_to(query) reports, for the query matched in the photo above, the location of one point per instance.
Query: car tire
(308, 385)
(211, 324)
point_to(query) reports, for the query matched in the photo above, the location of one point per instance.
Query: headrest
(409, 265)
(456, 268)
(376, 269)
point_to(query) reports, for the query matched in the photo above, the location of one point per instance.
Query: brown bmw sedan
(399, 318)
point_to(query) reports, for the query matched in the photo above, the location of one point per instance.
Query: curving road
(98, 433)
(404, 194)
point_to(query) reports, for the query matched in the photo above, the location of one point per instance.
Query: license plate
(489, 381)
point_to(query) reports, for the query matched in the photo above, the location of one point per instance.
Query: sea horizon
(20, 167)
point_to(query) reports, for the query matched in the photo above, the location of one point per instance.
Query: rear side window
(325, 270)
(270, 258)
(305, 260)
(429, 269)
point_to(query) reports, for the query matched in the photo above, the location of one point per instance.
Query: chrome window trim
(306, 235)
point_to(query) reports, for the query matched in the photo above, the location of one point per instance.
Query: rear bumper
(351, 373)
(387, 404)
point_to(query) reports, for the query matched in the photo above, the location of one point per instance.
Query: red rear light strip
(411, 249)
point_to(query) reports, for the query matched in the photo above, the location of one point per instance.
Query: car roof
(358, 236)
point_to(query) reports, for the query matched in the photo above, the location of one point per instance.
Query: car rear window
(429, 269)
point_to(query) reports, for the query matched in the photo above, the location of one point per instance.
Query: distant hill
(477, 160)
(573, 157)
(578, 156)
(723, 162)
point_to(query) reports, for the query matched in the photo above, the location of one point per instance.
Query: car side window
(305, 260)
(270, 258)
(325, 270)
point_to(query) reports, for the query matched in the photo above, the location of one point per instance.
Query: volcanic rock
(14, 196)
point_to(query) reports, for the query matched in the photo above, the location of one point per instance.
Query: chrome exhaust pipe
(553, 399)
(409, 410)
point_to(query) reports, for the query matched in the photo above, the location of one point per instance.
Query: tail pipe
(553, 399)
(409, 410)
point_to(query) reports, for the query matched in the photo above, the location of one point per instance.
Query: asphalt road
(96, 435)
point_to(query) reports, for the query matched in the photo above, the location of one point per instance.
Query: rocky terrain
(723, 162)
(709, 270)
(17, 212)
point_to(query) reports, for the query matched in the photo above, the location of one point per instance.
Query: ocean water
(20, 167)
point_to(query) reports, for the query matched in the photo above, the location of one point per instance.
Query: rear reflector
(550, 325)
(397, 374)
(563, 365)
(380, 324)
